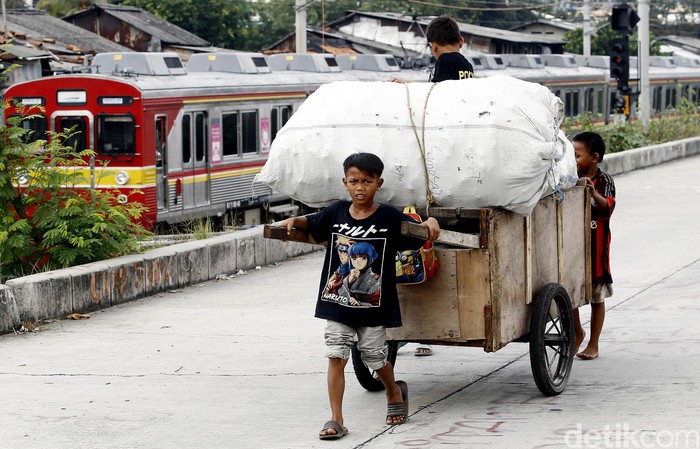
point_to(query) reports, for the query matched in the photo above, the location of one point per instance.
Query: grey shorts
(371, 341)
(600, 292)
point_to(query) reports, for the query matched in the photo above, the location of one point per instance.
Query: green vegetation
(47, 224)
(682, 123)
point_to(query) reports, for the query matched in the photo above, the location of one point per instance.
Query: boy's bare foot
(588, 353)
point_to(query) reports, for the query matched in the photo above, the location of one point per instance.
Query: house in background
(43, 44)
(554, 28)
(317, 41)
(31, 64)
(138, 30)
(404, 37)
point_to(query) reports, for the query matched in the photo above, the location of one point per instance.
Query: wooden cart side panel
(451, 305)
(430, 310)
(474, 293)
(576, 254)
(557, 254)
(508, 248)
(545, 241)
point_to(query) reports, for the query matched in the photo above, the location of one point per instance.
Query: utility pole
(587, 27)
(300, 22)
(643, 68)
(4, 20)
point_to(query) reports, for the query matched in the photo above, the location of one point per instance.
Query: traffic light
(622, 104)
(620, 61)
(623, 19)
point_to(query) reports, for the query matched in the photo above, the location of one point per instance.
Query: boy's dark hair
(443, 30)
(366, 162)
(593, 142)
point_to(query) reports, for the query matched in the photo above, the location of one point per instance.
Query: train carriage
(192, 140)
(191, 143)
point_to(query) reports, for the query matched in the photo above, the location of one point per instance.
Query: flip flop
(423, 351)
(340, 431)
(399, 408)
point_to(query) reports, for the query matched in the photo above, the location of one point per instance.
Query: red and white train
(192, 139)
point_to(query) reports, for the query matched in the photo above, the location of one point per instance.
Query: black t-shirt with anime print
(358, 281)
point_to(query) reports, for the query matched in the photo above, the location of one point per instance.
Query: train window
(286, 114)
(656, 99)
(696, 95)
(571, 99)
(36, 128)
(229, 129)
(200, 122)
(116, 134)
(588, 100)
(279, 116)
(613, 97)
(74, 128)
(186, 139)
(274, 122)
(161, 141)
(670, 98)
(249, 131)
(601, 103)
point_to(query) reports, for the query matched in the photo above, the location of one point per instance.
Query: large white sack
(489, 142)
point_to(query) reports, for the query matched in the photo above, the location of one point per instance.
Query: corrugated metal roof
(688, 43)
(561, 24)
(37, 25)
(166, 32)
(476, 30)
(24, 52)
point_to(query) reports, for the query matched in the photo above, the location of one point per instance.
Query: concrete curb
(84, 288)
(93, 286)
(625, 161)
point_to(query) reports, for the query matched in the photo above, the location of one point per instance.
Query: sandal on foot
(399, 408)
(340, 431)
(423, 351)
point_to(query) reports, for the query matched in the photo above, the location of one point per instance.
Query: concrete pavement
(238, 363)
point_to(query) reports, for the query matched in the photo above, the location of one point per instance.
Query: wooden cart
(503, 277)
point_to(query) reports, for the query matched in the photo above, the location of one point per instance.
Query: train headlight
(23, 179)
(122, 199)
(121, 177)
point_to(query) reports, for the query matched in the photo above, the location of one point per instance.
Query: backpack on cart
(415, 266)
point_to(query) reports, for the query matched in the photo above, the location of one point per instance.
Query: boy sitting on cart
(367, 223)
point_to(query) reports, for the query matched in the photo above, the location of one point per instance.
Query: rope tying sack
(429, 198)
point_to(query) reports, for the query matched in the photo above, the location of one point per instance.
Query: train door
(195, 161)
(161, 163)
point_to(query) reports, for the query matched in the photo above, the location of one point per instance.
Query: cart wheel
(368, 378)
(551, 339)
